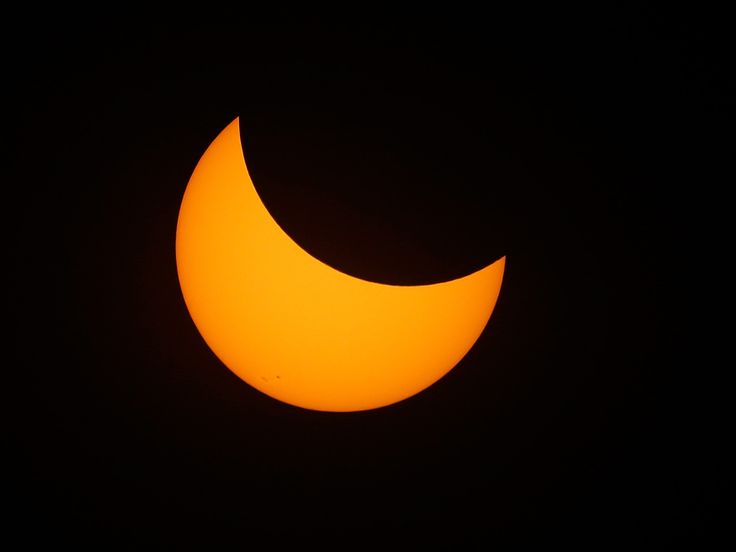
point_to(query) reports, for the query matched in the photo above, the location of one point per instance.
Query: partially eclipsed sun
(297, 329)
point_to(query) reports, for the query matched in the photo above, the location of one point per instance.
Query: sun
(297, 329)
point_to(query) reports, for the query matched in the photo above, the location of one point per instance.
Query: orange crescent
(297, 329)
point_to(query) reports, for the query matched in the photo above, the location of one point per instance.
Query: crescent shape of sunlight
(297, 329)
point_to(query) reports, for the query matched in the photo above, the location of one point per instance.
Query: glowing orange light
(297, 329)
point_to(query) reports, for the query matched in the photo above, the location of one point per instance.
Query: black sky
(398, 149)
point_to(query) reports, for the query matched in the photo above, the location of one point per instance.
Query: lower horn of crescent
(297, 329)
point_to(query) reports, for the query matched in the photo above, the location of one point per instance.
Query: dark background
(398, 149)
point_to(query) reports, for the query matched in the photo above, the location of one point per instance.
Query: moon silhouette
(297, 329)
